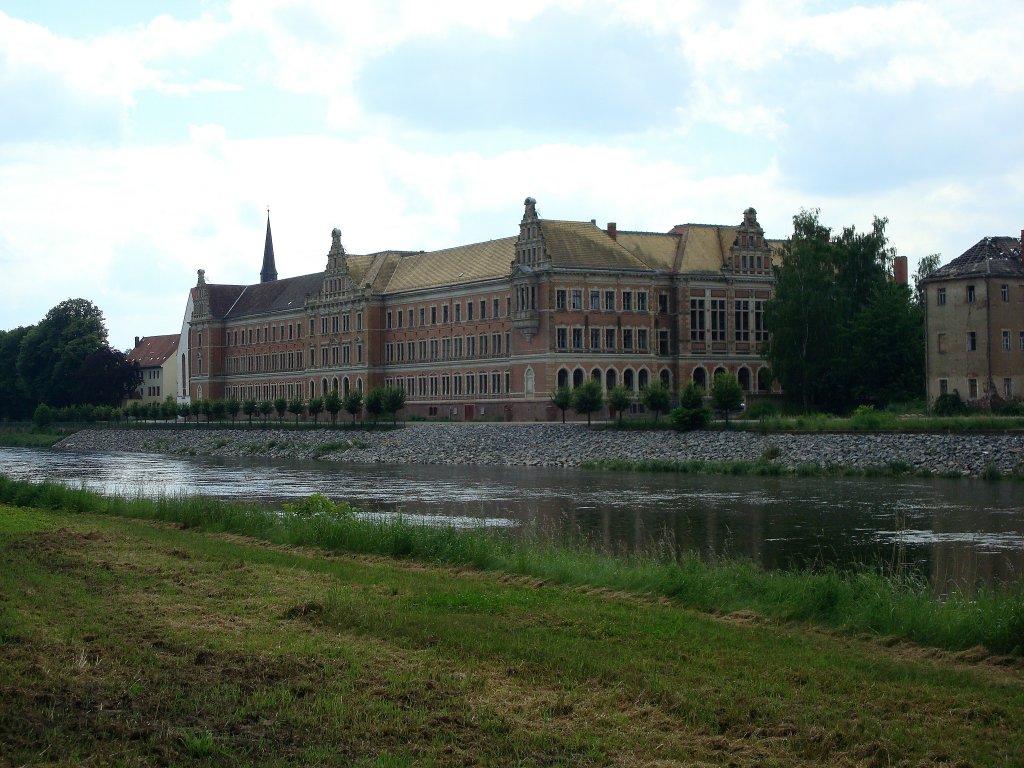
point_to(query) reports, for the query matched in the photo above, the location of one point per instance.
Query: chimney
(612, 230)
(899, 269)
(137, 341)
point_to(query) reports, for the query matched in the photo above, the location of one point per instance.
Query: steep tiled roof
(989, 256)
(154, 350)
(452, 266)
(655, 249)
(581, 244)
(705, 247)
(276, 296)
(222, 297)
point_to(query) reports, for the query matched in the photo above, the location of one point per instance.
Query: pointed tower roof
(269, 272)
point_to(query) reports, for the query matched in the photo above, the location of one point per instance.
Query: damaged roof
(989, 256)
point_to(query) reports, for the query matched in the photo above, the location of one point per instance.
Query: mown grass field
(133, 642)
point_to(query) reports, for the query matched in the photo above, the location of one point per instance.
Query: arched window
(666, 378)
(345, 386)
(334, 383)
(596, 375)
(323, 387)
(764, 379)
(530, 380)
(563, 377)
(184, 378)
(577, 378)
(359, 384)
(312, 389)
(643, 378)
(628, 380)
(743, 375)
(609, 378)
(700, 377)
(718, 372)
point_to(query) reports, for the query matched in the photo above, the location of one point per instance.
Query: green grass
(881, 421)
(128, 642)
(13, 437)
(767, 467)
(858, 600)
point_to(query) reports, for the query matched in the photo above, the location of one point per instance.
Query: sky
(142, 141)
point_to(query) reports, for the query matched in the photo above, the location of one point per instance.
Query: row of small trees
(377, 402)
(691, 413)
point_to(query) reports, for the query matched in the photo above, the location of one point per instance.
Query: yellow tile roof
(656, 250)
(705, 247)
(581, 245)
(452, 266)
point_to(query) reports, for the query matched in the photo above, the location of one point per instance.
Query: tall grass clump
(858, 600)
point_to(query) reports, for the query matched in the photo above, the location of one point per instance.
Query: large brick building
(974, 323)
(490, 329)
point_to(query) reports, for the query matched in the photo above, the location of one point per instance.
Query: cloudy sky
(141, 141)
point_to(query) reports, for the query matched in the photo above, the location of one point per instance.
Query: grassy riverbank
(129, 642)
(863, 600)
(14, 437)
(766, 467)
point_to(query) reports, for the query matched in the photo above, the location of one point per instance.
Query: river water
(957, 533)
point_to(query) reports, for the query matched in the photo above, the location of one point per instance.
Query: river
(956, 533)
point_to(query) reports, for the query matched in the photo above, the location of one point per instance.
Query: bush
(691, 413)
(761, 410)
(43, 416)
(949, 404)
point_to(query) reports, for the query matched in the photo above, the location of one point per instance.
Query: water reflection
(956, 532)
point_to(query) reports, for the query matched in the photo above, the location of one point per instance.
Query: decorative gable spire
(269, 272)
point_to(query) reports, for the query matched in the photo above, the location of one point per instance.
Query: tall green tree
(332, 404)
(15, 402)
(824, 287)
(394, 401)
(375, 403)
(726, 394)
(353, 403)
(656, 397)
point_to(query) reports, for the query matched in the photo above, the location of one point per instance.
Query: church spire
(269, 272)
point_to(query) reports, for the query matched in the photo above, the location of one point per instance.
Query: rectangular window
(972, 389)
(760, 332)
(718, 319)
(410, 350)
(560, 299)
(595, 338)
(401, 318)
(444, 313)
(663, 303)
(483, 344)
(387, 322)
(970, 294)
(423, 317)
(641, 301)
(609, 339)
(433, 315)
(458, 312)
(433, 349)
(495, 308)
(471, 346)
(469, 310)
(1006, 341)
(496, 383)
(470, 386)
(1004, 291)
(741, 320)
(562, 338)
(641, 339)
(496, 343)
(389, 353)
(359, 321)
(972, 341)
(609, 301)
(595, 299)
(458, 346)
(423, 349)
(577, 298)
(627, 301)
(346, 355)
(483, 383)
(697, 320)
(940, 296)
(409, 323)
(457, 380)
(446, 348)
(627, 338)
(400, 351)
(483, 309)
(577, 338)
(662, 342)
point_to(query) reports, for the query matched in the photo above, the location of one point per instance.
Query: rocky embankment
(570, 445)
